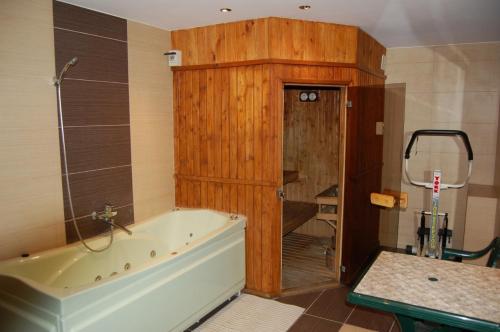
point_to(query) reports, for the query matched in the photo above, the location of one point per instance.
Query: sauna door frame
(343, 85)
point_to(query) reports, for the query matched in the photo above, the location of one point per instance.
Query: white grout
(91, 34)
(96, 81)
(98, 169)
(330, 320)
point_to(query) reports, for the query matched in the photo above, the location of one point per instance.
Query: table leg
(407, 323)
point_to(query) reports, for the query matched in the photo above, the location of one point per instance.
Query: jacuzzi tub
(173, 270)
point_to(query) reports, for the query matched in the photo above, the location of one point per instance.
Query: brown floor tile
(313, 324)
(371, 319)
(332, 304)
(301, 300)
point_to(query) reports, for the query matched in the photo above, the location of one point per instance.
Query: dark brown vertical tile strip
(95, 101)
(92, 148)
(76, 18)
(99, 58)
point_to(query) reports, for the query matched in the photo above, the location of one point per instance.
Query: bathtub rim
(61, 294)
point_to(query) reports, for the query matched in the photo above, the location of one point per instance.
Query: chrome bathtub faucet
(107, 215)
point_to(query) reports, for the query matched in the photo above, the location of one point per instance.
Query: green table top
(455, 294)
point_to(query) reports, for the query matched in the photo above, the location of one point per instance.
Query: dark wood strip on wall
(89, 227)
(99, 59)
(76, 18)
(90, 191)
(90, 148)
(94, 103)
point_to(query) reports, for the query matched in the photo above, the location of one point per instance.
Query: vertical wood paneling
(229, 132)
(233, 123)
(267, 38)
(194, 128)
(225, 124)
(211, 125)
(202, 126)
(249, 123)
(241, 117)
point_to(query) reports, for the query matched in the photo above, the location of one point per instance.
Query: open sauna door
(363, 172)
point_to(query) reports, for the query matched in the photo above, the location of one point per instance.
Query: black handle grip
(440, 132)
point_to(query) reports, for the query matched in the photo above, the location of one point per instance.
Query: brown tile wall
(95, 100)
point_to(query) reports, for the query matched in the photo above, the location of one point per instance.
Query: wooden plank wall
(228, 105)
(225, 148)
(223, 43)
(267, 38)
(311, 146)
(369, 54)
(299, 40)
(311, 143)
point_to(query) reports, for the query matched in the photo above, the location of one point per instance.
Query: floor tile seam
(315, 300)
(323, 318)
(349, 315)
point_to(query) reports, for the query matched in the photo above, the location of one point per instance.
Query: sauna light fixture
(305, 7)
(225, 10)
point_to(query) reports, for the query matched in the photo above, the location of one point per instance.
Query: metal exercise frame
(436, 185)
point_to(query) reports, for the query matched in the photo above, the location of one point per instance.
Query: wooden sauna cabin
(229, 104)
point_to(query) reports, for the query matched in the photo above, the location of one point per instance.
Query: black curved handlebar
(440, 132)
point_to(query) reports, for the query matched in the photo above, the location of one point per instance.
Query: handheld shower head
(72, 62)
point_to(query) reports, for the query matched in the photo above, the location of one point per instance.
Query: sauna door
(363, 171)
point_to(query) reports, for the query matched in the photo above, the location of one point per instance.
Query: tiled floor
(328, 310)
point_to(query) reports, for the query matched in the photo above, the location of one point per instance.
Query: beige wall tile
(449, 76)
(31, 240)
(151, 118)
(417, 76)
(464, 94)
(468, 52)
(409, 55)
(31, 190)
(480, 225)
(482, 76)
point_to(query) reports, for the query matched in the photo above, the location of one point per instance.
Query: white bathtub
(181, 265)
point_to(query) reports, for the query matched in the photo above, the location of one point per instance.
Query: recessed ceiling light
(225, 10)
(304, 7)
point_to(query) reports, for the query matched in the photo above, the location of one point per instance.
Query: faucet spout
(107, 215)
(123, 228)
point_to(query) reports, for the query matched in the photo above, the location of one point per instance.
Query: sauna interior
(310, 184)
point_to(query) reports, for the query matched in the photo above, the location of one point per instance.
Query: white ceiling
(392, 22)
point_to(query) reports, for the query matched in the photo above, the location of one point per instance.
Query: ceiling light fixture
(305, 7)
(225, 10)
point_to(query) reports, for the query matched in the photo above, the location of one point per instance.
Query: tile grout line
(94, 81)
(94, 126)
(327, 319)
(348, 316)
(98, 169)
(315, 300)
(90, 34)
